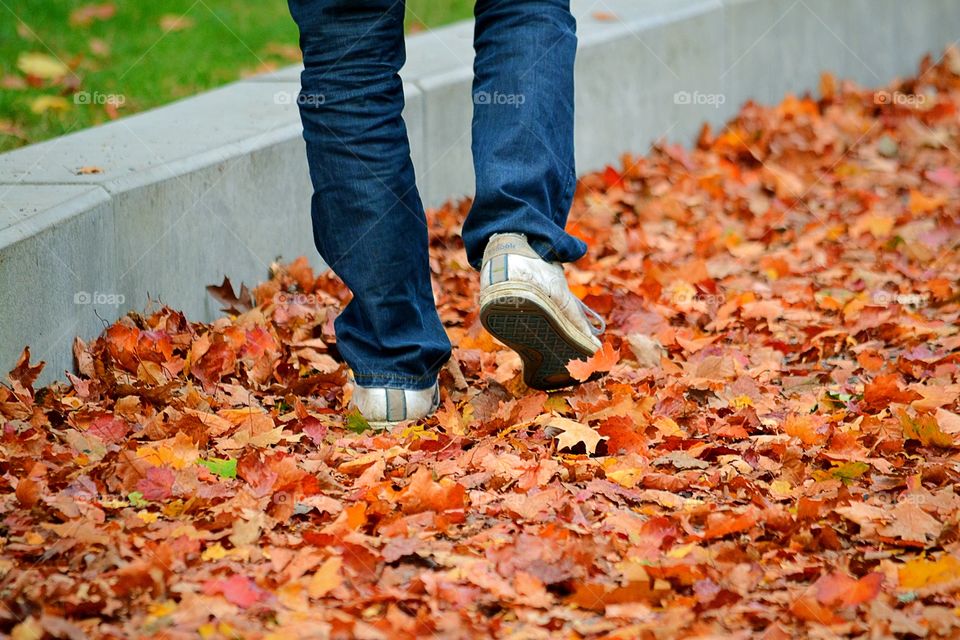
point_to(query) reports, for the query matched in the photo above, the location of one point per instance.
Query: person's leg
(523, 158)
(523, 126)
(368, 221)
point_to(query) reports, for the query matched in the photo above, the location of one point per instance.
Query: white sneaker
(384, 408)
(525, 303)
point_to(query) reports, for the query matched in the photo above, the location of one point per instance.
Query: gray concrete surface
(217, 184)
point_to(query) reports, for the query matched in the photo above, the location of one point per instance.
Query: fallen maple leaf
(809, 609)
(603, 360)
(425, 494)
(157, 485)
(237, 589)
(723, 524)
(839, 589)
(570, 433)
(920, 573)
(809, 429)
(326, 578)
(109, 428)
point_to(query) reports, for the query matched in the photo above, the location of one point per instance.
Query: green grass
(143, 65)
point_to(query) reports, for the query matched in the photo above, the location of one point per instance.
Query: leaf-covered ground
(773, 453)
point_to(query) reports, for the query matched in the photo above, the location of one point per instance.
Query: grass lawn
(130, 55)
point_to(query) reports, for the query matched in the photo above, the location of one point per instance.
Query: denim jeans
(368, 220)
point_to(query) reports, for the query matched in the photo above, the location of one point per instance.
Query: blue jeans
(368, 220)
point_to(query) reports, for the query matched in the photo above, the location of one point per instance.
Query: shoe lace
(597, 323)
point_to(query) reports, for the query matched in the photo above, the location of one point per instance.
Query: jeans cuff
(395, 380)
(548, 251)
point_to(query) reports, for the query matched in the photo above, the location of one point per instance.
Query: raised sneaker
(525, 303)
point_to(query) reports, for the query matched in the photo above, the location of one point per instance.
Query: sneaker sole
(528, 322)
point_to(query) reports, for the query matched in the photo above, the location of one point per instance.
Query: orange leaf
(602, 360)
(809, 429)
(327, 578)
(840, 589)
(721, 525)
(920, 203)
(424, 494)
(812, 611)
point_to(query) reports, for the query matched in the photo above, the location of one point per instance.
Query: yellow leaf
(682, 551)
(418, 432)
(29, 629)
(626, 477)
(876, 224)
(40, 65)
(213, 552)
(46, 103)
(919, 203)
(781, 489)
(667, 426)
(920, 572)
(327, 578)
(161, 609)
(178, 452)
(148, 517)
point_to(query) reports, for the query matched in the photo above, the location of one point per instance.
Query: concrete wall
(217, 184)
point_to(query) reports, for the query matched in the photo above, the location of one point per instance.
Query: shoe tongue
(508, 243)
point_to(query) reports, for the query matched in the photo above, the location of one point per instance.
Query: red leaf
(611, 176)
(109, 428)
(945, 177)
(237, 589)
(158, 485)
(314, 429)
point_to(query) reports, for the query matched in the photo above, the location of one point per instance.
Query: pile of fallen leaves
(772, 454)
